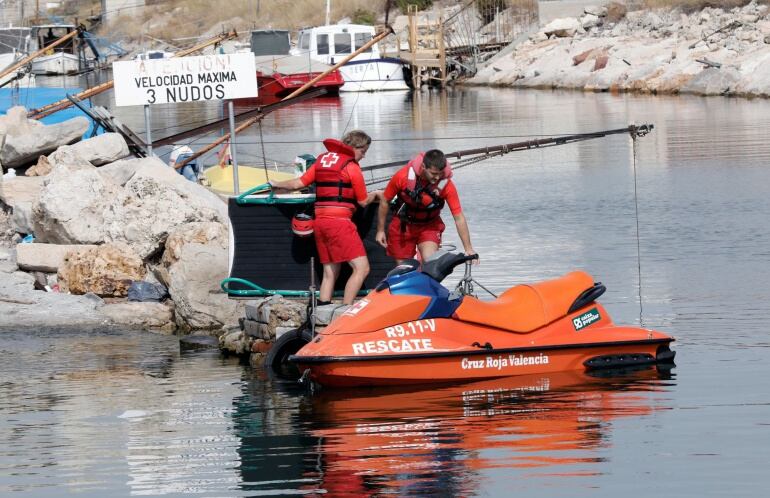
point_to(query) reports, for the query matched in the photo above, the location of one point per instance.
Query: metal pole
(148, 138)
(233, 154)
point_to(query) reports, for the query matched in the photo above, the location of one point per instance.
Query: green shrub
(363, 16)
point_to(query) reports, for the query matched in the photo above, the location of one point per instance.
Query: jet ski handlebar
(443, 266)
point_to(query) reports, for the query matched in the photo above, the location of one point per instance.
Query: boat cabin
(270, 42)
(47, 34)
(334, 42)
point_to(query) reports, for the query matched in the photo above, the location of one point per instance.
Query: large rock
(19, 194)
(22, 149)
(102, 149)
(21, 306)
(120, 172)
(158, 201)
(67, 156)
(155, 316)
(15, 122)
(20, 189)
(76, 207)
(45, 257)
(106, 270)
(562, 28)
(193, 265)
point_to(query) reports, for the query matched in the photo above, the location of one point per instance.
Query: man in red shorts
(421, 188)
(340, 188)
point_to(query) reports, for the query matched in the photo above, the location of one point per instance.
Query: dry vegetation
(178, 19)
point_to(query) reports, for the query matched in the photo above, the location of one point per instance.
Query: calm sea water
(123, 413)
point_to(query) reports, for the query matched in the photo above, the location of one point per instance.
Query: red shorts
(337, 240)
(403, 244)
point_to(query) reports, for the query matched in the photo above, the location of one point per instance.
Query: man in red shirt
(340, 189)
(421, 188)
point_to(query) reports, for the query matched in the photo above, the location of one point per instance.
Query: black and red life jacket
(331, 190)
(421, 202)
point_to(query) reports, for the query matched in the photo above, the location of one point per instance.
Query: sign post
(186, 79)
(233, 153)
(148, 133)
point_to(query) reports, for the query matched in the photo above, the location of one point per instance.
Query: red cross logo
(329, 160)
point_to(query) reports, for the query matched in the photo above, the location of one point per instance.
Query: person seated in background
(191, 170)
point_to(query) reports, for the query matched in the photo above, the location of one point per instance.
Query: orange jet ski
(413, 330)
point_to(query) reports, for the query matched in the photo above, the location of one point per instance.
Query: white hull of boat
(7, 60)
(56, 63)
(373, 76)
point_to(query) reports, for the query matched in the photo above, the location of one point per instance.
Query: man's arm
(382, 217)
(370, 197)
(293, 184)
(464, 233)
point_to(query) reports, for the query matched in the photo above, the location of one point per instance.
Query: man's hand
(471, 252)
(381, 238)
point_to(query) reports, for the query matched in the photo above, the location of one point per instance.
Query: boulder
(19, 194)
(45, 257)
(42, 168)
(596, 10)
(713, 81)
(158, 201)
(194, 263)
(562, 28)
(67, 156)
(23, 149)
(76, 207)
(106, 270)
(20, 189)
(102, 149)
(120, 172)
(155, 316)
(15, 122)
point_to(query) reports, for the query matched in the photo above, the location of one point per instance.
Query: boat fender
(302, 225)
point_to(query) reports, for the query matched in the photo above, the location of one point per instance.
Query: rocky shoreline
(711, 52)
(81, 222)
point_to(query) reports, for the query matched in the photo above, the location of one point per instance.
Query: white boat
(366, 72)
(14, 45)
(68, 58)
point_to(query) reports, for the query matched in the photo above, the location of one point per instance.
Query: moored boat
(279, 73)
(366, 72)
(66, 58)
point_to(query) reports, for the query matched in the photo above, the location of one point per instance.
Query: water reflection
(440, 440)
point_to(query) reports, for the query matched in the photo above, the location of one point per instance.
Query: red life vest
(331, 190)
(421, 202)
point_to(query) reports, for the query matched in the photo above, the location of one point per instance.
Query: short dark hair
(434, 158)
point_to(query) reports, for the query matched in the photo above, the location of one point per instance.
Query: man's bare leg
(427, 249)
(331, 272)
(360, 266)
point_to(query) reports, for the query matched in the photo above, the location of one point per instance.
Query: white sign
(185, 79)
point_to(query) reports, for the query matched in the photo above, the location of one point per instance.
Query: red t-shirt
(399, 183)
(351, 173)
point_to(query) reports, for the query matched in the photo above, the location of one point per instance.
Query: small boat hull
(56, 63)
(373, 75)
(471, 366)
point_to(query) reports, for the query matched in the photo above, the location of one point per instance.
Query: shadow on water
(437, 440)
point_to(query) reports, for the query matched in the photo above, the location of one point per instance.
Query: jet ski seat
(527, 307)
